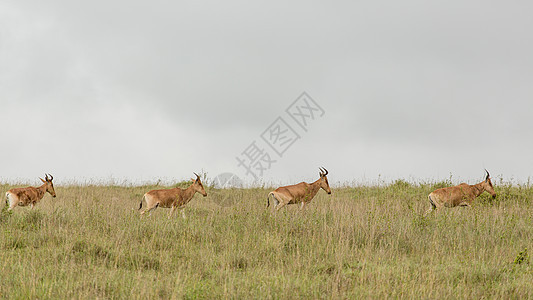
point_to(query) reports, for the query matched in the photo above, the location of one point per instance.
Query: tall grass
(90, 242)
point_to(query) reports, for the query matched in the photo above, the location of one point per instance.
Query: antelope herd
(303, 192)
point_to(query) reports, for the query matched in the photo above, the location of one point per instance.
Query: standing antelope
(30, 195)
(302, 192)
(460, 195)
(172, 198)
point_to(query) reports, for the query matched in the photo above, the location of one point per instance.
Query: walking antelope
(30, 195)
(172, 198)
(302, 192)
(460, 195)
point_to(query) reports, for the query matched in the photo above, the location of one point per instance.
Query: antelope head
(324, 184)
(198, 186)
(49, 185)
(487, 185)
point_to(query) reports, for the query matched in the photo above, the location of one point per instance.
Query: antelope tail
(433, 206)
(431, 202)
(141, 204)
(268, 199)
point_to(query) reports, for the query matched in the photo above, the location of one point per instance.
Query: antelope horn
(197, 176)
(488, 175)
(45, 176)
(51, 177)
(325, 171)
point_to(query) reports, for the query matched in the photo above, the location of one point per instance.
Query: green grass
(90, 242)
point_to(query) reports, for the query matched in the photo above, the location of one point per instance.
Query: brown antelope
(460, 195)
(172, 198)
(302, 192)
(30, 195)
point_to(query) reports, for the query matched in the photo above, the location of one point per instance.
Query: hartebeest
(172, 198)
(30, 195)
(460, 195)
(302, 192)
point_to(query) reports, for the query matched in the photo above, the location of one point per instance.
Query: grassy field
(358, 242)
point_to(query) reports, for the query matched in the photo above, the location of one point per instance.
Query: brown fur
(302, 192)
(459, 195)
(30, 195)
(172, 198)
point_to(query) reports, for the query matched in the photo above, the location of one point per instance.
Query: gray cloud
(143, 90)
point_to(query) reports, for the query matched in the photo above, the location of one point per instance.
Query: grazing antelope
(172, 198)
(30, 195)
(302, 192)
(460, 195)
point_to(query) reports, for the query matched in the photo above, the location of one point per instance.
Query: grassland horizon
(361, 241)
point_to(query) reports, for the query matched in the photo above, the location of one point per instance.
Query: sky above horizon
(141, 91)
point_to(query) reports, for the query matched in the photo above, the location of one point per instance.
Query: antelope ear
(193, 180)
(44, 181)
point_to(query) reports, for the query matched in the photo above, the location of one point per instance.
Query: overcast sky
(142, 90)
